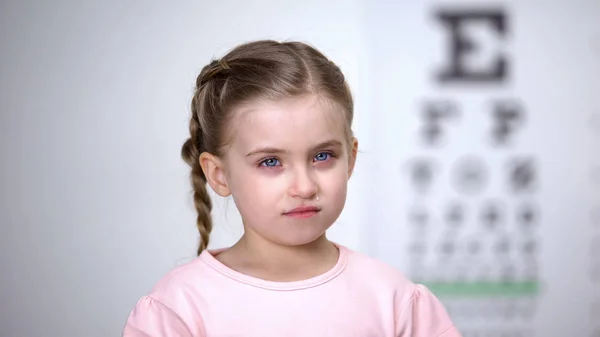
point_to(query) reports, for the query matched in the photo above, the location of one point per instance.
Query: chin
(299, 237)
(301, 242)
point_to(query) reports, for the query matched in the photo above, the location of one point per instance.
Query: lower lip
(302, 215)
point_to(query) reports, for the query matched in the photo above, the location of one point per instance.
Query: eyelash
(262, 162)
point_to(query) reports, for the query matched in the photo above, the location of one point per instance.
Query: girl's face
(287, 165)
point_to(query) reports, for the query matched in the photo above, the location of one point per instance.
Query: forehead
(290, 123)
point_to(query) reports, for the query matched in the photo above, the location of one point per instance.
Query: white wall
(554, 75)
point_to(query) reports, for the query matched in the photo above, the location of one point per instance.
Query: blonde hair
(263, 69)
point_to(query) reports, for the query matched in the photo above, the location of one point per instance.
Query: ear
(352, 158)
(214, 172)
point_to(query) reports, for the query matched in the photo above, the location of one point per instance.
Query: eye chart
(488, 139)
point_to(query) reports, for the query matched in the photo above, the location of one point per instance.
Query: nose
(304, 184)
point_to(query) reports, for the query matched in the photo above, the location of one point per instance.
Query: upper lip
(303, 209)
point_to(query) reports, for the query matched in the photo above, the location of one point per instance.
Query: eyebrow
(273, 150)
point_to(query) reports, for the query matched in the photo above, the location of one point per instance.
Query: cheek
(249, 199)
(335, 183)
(254, 190)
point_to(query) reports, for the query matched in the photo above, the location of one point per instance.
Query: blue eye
(270, 162)
(322, 156)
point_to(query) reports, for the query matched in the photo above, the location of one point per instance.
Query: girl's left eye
(322, 156)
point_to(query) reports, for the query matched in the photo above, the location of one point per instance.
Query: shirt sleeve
(151, 318)
(424, 316)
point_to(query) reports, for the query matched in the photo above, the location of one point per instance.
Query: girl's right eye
(269, 162)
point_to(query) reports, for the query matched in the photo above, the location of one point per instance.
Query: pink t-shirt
(359, 296)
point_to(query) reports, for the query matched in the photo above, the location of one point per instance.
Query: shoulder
(188, 279)
(416, 308)
(171, 305)
(377, 272)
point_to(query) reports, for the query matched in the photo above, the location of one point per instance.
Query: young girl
(271, 126)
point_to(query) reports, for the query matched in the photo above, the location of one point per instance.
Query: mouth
(302, 212)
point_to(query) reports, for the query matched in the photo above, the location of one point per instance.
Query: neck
(256, 256)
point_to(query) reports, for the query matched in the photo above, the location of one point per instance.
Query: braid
(196, 144)
(190, 152)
